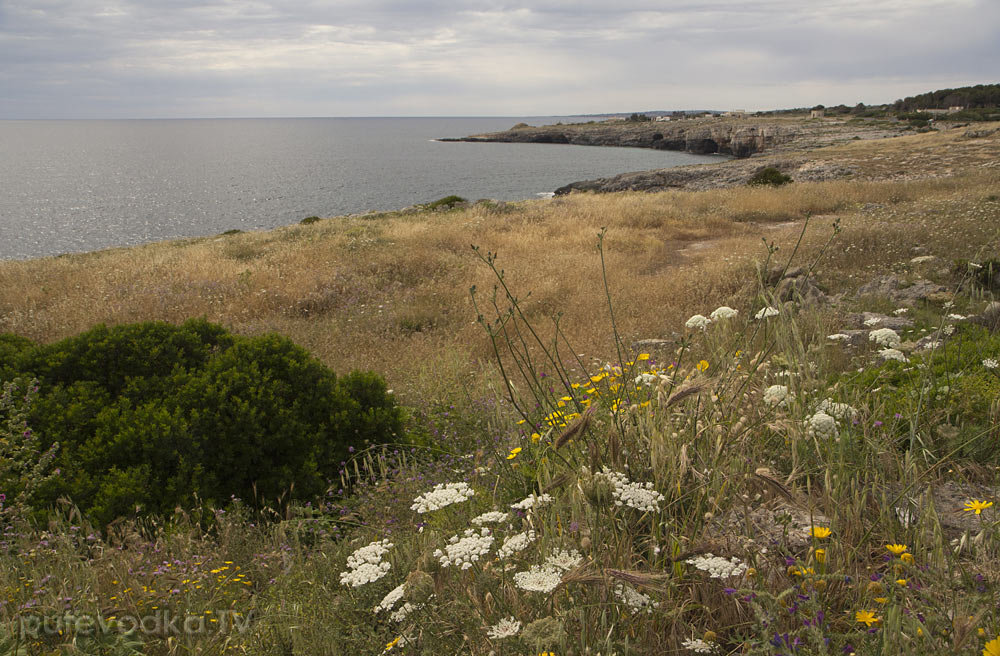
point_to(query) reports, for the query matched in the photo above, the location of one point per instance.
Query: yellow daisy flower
(866, 617)
(992, 648)
(897, 549)
(821, 532)
(513, 453)
(974, 505)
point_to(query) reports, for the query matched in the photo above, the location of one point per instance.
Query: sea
(82, 185)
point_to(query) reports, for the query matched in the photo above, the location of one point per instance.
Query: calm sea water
(69, 186)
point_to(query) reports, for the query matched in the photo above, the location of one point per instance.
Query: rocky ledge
(725, 136)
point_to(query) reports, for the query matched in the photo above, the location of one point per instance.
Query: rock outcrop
(724, 136)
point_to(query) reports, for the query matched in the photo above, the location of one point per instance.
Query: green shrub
(150, 415)
(444, 203)
(309, 220)
(769, 176)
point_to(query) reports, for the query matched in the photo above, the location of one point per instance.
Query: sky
(243, 58)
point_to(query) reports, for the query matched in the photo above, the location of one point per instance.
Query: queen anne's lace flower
(404, 610)
(886, 337)
(538, 579)
(634, 599)
(463, 551)
(389, 601)
(991, 363)
(515, 543)
(366, 565)
(698, 646)
(492, 517)
(505, 628)
(892, 354)
(530, 502)
(839, 411)
(563, 560)
(766, 312)
(776, 395)
(717, 566)
(698, 322)
(821, 425)
(724, 312)
(873, 321)
(641, 496)
(443, 494)
(839, 337)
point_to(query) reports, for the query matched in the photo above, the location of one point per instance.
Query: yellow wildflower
(974, 505)
(907, 558)
(992, 648)
(821, 532)
(513, 453)
(897, 549)
(703, 365)
(866, 617)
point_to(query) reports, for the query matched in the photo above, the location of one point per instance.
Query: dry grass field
(390, 292)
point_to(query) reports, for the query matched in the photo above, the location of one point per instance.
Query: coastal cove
(74, 186)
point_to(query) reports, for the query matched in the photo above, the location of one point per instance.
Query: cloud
(394, 57)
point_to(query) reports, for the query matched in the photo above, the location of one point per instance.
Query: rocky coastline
(740, 138)
(754, 143)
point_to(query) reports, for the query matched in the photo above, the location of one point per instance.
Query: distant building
(736, 113)
(817, 113)
(662, 118)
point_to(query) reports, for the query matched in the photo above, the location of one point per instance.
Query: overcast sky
(189, 58)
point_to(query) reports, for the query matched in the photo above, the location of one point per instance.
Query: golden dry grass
(390, 292)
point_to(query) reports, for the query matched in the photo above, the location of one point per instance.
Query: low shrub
(769, 176)
(150, 416)
(447, 202)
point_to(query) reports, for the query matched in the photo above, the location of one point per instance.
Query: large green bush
(150, 416)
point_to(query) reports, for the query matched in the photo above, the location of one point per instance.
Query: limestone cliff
(726, 136)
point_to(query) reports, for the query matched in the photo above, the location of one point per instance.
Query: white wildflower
(563, 559)
(957, 317)
(404, 611)
(515, 543)
(948, 305)
(777, 395)
(463, 551)
(366, 565)
(698, 322)
(892, 354)
(948, 330)
(839, 337)
(821, 425)
(505, 628)
(920, 259)
(717, 566)
(885, 337)
(839, 411)
(991, 363)
(492, 517)
(538, 579)
(900, 311)
(873, 321)
(443, 494)
(724, 312)
(698, 646)
(930, 345)
(530, 502)
(634, 599)
(389, 601)
(764, 313)
(641, 496)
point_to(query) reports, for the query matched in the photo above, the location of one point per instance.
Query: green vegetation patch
(151, 416)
